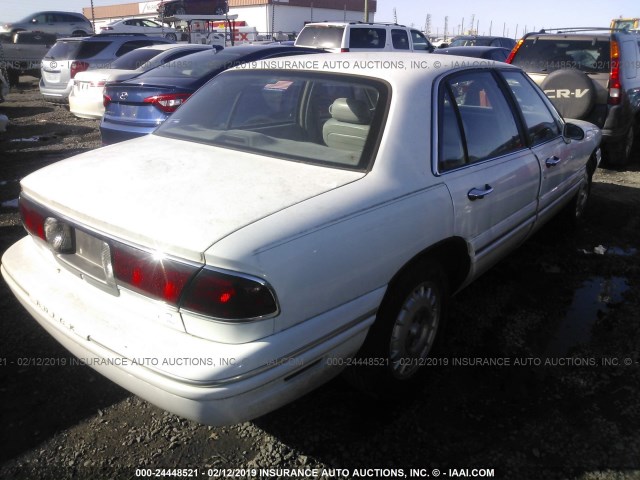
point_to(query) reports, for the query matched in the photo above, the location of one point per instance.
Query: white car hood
(175, 196)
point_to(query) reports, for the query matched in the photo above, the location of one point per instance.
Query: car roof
(101, 36)
(471, 49)
(395, 67)
(171, 46)
(356, 24)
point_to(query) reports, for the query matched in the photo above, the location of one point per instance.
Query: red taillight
(169, 102)
(150, 274)
(615, 88)
(514, 50)
(227, 296)
(106, 100)
(77, 67)
(192, 287)
(344, 50)
(32, 218)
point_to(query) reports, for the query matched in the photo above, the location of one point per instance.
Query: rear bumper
(215, 383)
(55, 95)
(86, 106)
(112, 133)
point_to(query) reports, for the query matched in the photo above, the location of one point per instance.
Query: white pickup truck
(22, 52)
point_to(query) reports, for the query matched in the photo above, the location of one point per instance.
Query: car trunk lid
(175, 196)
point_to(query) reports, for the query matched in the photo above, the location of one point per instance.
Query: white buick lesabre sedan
(290, 216)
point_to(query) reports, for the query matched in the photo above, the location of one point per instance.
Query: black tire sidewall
(379, 377)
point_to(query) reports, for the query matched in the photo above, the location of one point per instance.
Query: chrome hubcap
(414, 330)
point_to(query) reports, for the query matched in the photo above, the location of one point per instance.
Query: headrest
(350, 111)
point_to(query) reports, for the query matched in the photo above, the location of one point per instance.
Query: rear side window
(488, 127)
(134, 59)
(321, 37)
(367, 38)
(129, 46)
(548, 54)
(541, 124)
(75, 50)
(400, 39)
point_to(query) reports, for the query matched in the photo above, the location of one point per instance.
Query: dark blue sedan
(136, 107)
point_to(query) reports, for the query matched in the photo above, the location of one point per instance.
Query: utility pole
(366, 11)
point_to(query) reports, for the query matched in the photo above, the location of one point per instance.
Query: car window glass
(90, 49)
(400, 39)
(541, 124)
(420, 42)
(547, 55)
(279, 115)
(134, 59)
(367, 38)
(321, 36)
(489, 127)
(42, 18)
(129, 46)
(451, 151)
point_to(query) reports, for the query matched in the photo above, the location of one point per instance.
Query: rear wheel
(171, 36)
(408, 326)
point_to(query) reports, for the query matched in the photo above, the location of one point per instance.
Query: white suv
(362, 37)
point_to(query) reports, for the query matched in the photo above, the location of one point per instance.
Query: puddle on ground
(622, 252)
(589, 303)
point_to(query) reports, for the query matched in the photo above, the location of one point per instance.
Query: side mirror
(573, 132)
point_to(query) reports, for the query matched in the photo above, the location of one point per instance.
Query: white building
(267, 16)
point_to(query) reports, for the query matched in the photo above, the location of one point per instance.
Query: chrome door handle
(552, 161)
(478, 193)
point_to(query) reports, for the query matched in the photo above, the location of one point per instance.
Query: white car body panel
(210, 205)
(328, 242)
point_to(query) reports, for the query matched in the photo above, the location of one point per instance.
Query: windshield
(546, 55)
(320, 118)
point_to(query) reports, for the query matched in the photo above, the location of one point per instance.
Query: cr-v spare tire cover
(571, 91)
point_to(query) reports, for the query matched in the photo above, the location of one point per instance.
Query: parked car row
(86, 99)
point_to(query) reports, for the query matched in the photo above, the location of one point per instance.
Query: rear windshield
(321, 36)
(320, 118)
(539, 55)
(196, 65)
(135, 59)
(73, 50)
(471, 42)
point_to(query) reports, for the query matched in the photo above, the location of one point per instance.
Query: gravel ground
(564, 311)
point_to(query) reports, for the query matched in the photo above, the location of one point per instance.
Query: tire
(618, 154)
(581, 96)
(171, 36)
(79, 33)
(407, 329)
(573, 213)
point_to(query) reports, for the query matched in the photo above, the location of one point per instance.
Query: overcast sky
(499, 15)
